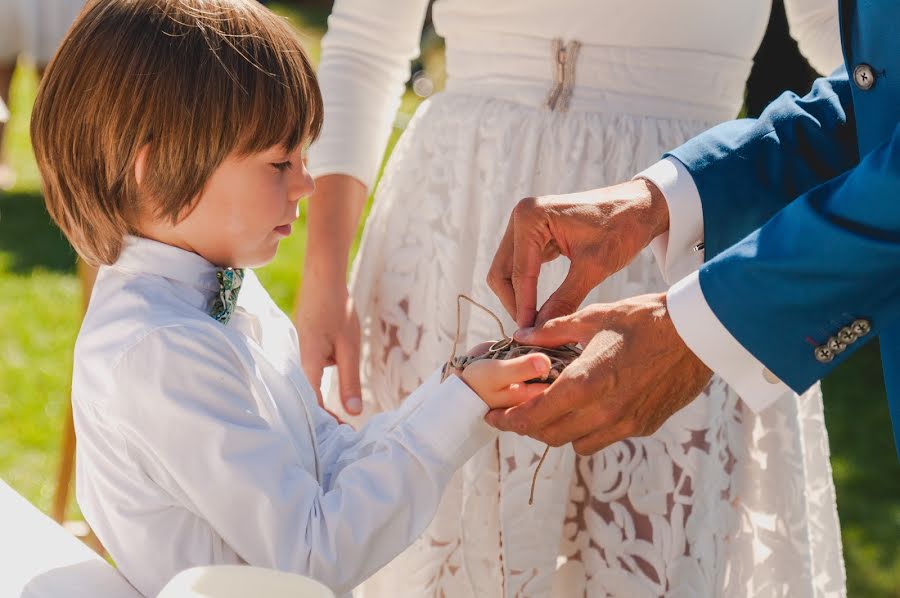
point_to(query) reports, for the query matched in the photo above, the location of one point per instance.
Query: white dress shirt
(679, 253)
(201, 443)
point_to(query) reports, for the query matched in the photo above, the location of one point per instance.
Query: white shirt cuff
(677, 252)
(708, 338)
(450, 419)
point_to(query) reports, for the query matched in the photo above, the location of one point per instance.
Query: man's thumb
(553, 333)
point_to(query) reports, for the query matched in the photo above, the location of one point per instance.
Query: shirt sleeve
(365, 62)
(246, 480)
(678, 251)
(815, 25)
(711, 342)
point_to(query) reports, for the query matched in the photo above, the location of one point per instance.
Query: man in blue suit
(783, 234)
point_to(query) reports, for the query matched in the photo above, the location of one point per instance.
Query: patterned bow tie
(222, 305)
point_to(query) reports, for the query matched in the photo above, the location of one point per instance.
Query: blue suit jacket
(801, 211)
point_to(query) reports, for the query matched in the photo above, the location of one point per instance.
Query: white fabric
(40, 559)
(34, 28)
(645, 52)
(4, 112)
(708, 338)
(720, 501)
(241, 581)
(679, 259)
(677, 251)
(203, 444)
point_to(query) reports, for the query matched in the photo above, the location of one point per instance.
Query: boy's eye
(281, 166)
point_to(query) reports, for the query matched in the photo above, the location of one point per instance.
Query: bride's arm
(815, 25)
(365, 62)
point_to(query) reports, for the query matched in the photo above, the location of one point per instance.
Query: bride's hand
(328, 326)
(600, 231)
(325, 316)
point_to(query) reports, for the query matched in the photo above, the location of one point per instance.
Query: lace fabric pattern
(719, 502)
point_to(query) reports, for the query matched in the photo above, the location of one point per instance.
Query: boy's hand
(501, 382)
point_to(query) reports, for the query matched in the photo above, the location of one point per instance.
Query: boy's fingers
(520, 369)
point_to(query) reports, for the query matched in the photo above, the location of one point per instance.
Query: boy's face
(247, 208)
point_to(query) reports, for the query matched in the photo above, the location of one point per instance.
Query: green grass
(39, 317)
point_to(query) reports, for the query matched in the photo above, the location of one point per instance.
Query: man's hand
(634, 373)
(600, 231)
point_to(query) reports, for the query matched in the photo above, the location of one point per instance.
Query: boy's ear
(140, 164)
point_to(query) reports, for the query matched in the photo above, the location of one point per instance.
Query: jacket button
(836, 346)
(824, 354)
(861, 327)
(864, 77)
(846, 335)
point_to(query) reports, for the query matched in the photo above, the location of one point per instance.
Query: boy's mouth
(284, 230)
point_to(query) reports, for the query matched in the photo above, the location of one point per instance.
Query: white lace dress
(719, 502)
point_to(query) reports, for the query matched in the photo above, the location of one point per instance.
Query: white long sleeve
(365, 63)
(381, 486)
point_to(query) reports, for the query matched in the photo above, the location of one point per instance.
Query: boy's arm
(247, 481)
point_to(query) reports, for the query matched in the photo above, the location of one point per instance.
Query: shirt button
(770, 377)
(864, 77)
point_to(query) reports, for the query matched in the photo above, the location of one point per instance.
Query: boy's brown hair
(193, 80)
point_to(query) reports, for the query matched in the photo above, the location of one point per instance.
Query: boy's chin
(260, 258)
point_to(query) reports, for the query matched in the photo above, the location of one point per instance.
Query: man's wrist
(657, 209)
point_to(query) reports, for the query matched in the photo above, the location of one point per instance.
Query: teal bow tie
(222, 305)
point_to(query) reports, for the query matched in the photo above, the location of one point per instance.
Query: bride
(547, 97)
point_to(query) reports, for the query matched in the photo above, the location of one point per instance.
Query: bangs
(254, 83)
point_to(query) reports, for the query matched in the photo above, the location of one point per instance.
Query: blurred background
(40, 308)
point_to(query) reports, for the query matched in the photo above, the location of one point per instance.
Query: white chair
(39, 559)
(234, 581)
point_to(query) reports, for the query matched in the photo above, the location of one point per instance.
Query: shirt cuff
(450, 419)
(710, 341)
(679, 251)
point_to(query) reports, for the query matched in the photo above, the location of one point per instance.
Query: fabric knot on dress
(222, 305)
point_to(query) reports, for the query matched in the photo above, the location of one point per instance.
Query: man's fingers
(528, 251)
(347, 359)
(567, 298)
(562, 330)
(602, 438)
(499, 277)
(535, 414)
(569, 428)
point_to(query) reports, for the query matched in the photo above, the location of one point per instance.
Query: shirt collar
(152, 257)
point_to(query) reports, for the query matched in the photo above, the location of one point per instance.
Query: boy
(169, 136)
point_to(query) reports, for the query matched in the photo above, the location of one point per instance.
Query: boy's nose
(303, 184)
